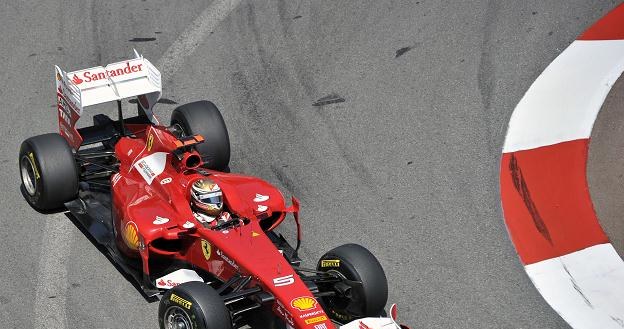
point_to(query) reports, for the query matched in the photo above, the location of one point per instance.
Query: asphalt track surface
(606, 165)
(407, 165)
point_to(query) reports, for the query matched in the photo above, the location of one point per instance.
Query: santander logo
(88, 76)
(163, 284)
(76, 80)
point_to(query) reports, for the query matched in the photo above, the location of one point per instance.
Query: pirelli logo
(316, 319)
(330, 263)
(181, 301)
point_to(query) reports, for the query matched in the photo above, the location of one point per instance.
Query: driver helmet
(206, 196)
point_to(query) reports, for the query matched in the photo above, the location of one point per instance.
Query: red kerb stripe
(546, 201)
(610, 27)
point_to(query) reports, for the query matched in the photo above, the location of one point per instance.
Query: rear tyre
(355, 263)
(48, 170)
(193, 305)
(203, 118)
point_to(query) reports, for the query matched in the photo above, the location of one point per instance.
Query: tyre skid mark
(523, 189)
(576, 286)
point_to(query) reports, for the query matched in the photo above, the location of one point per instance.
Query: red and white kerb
(545, 197)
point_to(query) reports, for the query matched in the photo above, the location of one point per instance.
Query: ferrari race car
(131, 184)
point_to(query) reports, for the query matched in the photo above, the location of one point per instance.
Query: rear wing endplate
(79, 89)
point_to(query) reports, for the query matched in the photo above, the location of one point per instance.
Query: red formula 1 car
(160, 202)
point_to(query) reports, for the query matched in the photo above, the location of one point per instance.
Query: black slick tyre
(203, 118)
(355, 263)
(193, 305)
(48, 170)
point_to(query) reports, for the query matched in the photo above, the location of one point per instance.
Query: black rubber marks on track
(402, 51)
(142, 39)
(329, 99)
(523, 189)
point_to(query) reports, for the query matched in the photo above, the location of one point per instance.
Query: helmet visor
(212, 198)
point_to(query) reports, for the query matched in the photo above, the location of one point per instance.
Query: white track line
(190, 39)
(50, 299)
(49, 308)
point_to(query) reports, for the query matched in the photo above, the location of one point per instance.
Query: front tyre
(48, 170)
(193, 305)
(364, 293)
(204, 118)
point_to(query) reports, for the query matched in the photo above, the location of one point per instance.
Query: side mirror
(394, 310)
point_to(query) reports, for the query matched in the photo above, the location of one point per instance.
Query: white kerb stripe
(584, 287)
(562, 104)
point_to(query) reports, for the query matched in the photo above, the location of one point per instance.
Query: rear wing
(79, 89)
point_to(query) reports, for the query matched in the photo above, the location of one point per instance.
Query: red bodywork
(246, 249)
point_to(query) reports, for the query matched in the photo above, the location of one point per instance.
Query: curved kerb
(545, 197)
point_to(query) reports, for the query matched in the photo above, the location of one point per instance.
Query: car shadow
(102, 249)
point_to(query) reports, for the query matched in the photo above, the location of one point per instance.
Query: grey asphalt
(407, 165)
(606, 165)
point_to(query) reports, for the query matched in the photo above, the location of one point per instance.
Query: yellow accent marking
(34, 165)
(181, 301)
(206, 249)
(150, 142)
(303, 303)
(330, 263)
(316, 319)
(131, 236)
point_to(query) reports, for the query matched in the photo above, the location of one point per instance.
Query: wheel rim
(176, 318)
(179, 128)
(27, 169)
(338, 303)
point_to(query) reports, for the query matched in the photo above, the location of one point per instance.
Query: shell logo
(131, 236)
(303, 303)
